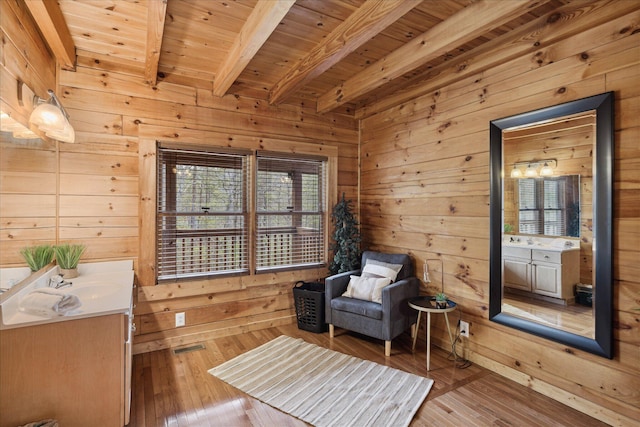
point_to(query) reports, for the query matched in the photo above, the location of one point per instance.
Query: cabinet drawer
(547, 256)
(511, 252)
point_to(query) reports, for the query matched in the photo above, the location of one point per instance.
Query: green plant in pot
(346, 237)
(67, 257)
(441, 300)
(37, 256)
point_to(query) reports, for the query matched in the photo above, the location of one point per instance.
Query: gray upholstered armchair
(385, 320)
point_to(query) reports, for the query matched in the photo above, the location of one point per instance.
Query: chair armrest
(336, 285)
(399, 292)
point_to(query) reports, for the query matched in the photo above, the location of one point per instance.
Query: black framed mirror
(531, 249)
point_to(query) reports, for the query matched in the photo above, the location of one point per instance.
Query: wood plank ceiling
(336, 54)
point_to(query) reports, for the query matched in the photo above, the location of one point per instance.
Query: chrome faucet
(58, 282)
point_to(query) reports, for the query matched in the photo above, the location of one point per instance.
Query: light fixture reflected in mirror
(530, 172)
(50, 117)
(532, 168)
(546, 170)
(287, 179)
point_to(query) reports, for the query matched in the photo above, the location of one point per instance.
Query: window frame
(148, 149)
(540, 210)
(279, 162)
(170, 213)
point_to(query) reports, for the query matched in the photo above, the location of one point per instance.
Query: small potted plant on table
(441, 300)
(67, 257)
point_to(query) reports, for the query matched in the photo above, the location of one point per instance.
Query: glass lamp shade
(7, 124)
(530, 172)
(47, 117)
(546, 170)
(25, 134)
(18, 130)
(516, 173)
(66, 134)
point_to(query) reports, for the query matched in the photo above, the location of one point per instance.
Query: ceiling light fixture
(51, 118)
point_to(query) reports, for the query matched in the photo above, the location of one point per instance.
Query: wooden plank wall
(425, 191)
(51, 192)
(27, 167)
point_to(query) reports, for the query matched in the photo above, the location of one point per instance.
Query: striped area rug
(324, 387)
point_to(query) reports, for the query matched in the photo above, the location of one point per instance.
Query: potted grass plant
(67, 257)
(37, 256)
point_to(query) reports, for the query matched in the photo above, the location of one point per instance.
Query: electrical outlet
(464, 328)
(180, 319)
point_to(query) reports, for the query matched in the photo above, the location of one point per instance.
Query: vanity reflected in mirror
(551, 205)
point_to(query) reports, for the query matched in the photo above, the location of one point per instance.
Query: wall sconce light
(51, 118)
(18, 131)
(532, 168)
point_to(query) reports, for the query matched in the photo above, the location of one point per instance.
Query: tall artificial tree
(346, 238)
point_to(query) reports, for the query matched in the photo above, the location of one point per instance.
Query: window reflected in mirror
(548, 206)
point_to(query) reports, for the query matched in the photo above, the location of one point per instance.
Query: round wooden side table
(427, 304)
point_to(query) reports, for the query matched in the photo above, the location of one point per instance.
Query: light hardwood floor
(575, 318)
(176, 390)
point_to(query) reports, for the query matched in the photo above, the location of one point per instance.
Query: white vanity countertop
(103, 288)
(541, 243)
(10, 277)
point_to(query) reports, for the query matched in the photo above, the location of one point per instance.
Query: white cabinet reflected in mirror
(550, 203)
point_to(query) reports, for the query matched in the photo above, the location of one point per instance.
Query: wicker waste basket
(584, 294)
(309, 302)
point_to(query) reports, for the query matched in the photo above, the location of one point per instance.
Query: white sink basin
(102, 288)
(86, 293)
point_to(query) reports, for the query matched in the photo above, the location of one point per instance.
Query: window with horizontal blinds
(529, 220)
(554, 204)
(546, 206)
(290, 212)
(202, 214)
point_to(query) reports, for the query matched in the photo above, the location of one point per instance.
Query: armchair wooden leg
(387, 348)
(331, 330)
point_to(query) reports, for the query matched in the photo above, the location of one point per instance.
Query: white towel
(49, 302)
